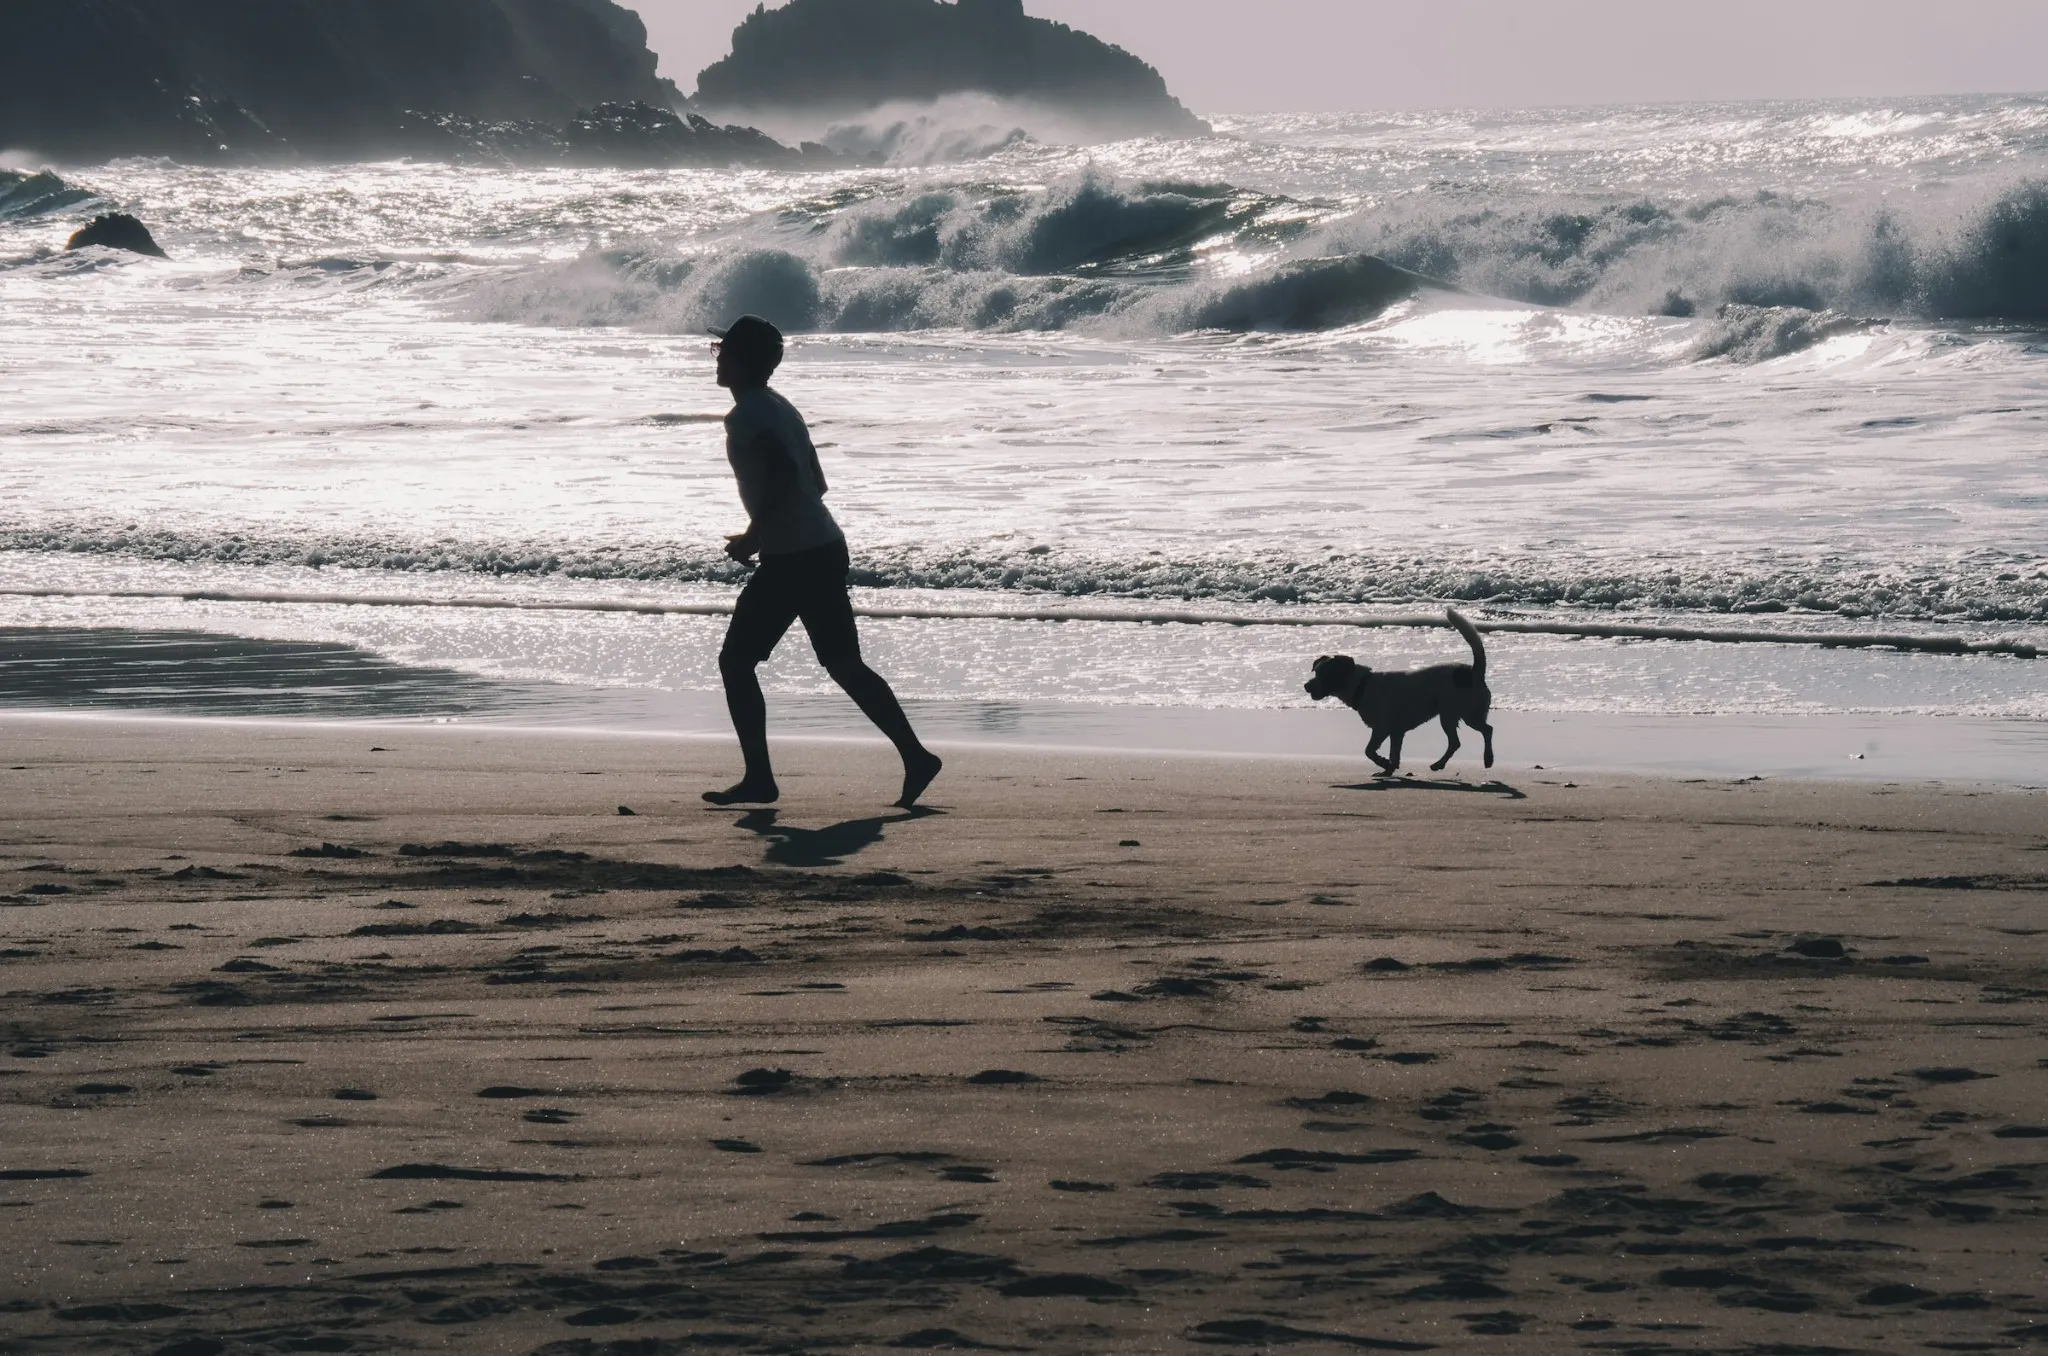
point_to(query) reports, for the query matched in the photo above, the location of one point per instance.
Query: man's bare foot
(745, 793)
(918, 770)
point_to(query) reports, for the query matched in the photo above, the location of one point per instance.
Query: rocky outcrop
(116, 231)
(634, 135)
(328, 79)
(639, 134)
(843, 56)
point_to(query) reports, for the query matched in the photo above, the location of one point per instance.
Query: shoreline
(413, 1036)
(199, 674)
(1848, 747)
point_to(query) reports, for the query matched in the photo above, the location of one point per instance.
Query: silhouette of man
(802, 571)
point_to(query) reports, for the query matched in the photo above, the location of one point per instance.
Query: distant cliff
(842, 56)
(199, 79)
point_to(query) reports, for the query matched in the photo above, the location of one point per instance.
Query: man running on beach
(802, 572)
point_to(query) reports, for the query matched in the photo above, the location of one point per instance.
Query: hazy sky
(1257, 55)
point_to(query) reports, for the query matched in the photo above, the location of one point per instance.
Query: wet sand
(329, 1038)
(206, 674)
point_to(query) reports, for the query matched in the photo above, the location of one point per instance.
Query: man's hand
(741, 547)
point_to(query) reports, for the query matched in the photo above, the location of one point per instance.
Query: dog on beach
(1392, 704)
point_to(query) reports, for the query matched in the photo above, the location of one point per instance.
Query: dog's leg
(1484, 729)
(1450, 723)
(1372, 751)
(1394, 752)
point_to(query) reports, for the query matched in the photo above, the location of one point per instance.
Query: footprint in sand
(1004, 1077)
(762, 1082)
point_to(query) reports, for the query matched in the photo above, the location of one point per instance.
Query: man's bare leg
(749, 710)
(871, 692)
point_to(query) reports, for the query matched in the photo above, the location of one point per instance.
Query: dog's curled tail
(1471, 636)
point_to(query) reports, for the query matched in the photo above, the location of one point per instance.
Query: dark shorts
(808, 584)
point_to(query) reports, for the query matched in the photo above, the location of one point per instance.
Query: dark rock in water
(116, 231)
(453, 137)
(633, 134)
(843, 56)
(641, 134)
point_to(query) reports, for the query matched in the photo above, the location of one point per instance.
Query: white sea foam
(1838, 639)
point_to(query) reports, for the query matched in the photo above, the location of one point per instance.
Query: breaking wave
(1755, 334)
(1763, 274)
(1762, 250)
(950, 129)
(1001, 259)
(1986, 586)
(35, 195)
(1997, 267)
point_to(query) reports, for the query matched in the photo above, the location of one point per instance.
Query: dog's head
(1335, 674)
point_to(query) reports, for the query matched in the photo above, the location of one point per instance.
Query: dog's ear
(1321, 660)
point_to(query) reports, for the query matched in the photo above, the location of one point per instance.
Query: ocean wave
(1982, 260)
(983, 259)
(923, 132)
(1311, 294)
(1762, 274)
(1997, 267)
(35, 195)
(1754, 334)
(930, 250)
(1985, 587)
(954, 128)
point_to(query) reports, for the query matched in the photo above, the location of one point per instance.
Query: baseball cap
(750, 337)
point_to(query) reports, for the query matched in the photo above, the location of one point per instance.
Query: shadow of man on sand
(829, 846)
(1492, 788)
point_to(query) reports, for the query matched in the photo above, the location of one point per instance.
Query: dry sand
(307, 1045)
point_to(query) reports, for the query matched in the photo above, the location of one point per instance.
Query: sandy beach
(328, 1038)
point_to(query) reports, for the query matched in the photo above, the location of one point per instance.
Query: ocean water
(1712, 367)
